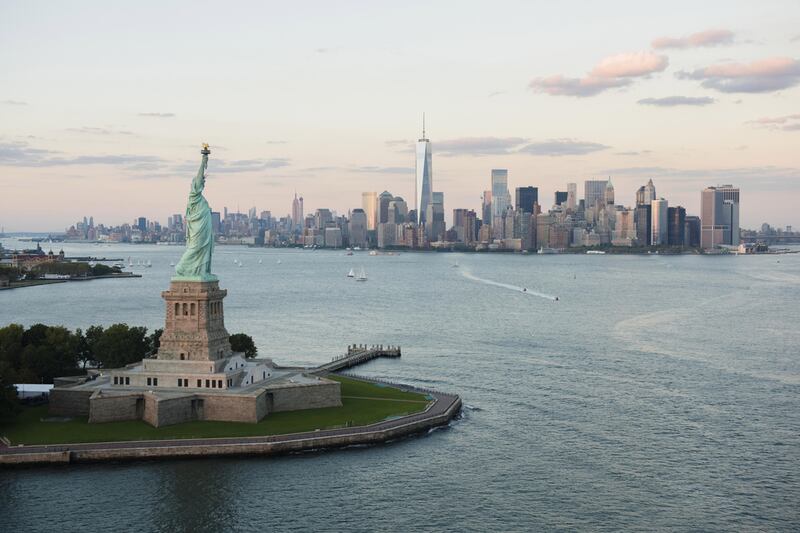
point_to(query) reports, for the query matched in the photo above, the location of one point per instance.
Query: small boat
(455, 265)
(351, 274)
(130, 262)
(149, 264)
(373, 252)
(172, 263)
(362, 275)
(259, 261)
(349, 252)
(595, 252)
(279, 261)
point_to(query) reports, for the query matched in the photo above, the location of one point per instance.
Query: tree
(120, 345)
(241, 342)
(9, 406)
(154, 342)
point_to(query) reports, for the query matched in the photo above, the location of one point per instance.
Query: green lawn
(28, 428)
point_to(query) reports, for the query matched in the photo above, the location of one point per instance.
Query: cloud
(635, 152)
(99, 131)
(672, 101)
(562, 147)
(612, 72)
(496, 93)
(703, 38)
(762, 76)
(277, 142)
(14, 102)
(398, 142)
(785, 123)
(477, 146)
(767, 177)
(22, 155)
(382, 170)
(157, 115)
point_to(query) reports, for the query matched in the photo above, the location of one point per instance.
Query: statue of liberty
(195, 265)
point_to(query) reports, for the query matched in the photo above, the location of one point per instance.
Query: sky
(104, 105)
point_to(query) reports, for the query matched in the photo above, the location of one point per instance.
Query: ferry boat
(595, 252)
(544, 250)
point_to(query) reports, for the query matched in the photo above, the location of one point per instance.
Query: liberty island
(195, 376)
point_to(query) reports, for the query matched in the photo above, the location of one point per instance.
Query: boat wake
(514, 288)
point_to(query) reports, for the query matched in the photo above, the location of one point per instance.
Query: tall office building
(383, 206)
(358, 228)
(501, 198)
(646, 193)
(369, 203)
(561, 197)
(486, 208)
(730, 213)
(676, 219)
(141, 223)
(398, 211)
(719, 216)
(609, 193)
(643, 225)
(524, 199)
(215, 222)
(659, 222)
(297, 211)
(691, 234)
(594, 192)
(572, 196)
(435, 225)
(424, 176)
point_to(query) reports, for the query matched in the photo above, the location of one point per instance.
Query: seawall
(444, 408)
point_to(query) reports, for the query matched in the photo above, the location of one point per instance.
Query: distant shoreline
(37, 282)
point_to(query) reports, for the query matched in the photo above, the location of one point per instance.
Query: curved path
(442, 409)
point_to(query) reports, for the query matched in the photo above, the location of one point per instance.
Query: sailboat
(362, 275)
(259, 261)
(130, 262)
(149, 264)
(351, 274)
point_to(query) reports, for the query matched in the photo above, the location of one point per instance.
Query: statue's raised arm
(195, 264)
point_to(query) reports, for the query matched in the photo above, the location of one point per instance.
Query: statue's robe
(196, 260)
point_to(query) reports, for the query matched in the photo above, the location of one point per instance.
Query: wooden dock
(357, 354)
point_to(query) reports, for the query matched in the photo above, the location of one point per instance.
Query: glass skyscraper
(501, 198)
(424, 173)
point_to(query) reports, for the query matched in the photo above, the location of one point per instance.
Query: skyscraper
(659, 222)
(424, 174)
(561, 197)
(525, 197)
(676, 218)
(501, 198)
(643, 225)
(297, 211)
(486, 208)
(609, 193)
(719, 216)
(358, 228)
(435, 225)
(572, 196)
(369, 203)
(383, 206)
(594, 192)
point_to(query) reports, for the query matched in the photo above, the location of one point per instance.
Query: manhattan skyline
(91, 116)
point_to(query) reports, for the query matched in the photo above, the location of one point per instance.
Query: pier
(357, 354)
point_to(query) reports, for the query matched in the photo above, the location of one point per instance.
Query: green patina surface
(363, 403)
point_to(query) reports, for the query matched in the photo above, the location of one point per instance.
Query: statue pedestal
(194, 329)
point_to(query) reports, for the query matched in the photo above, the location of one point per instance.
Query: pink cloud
(703, 38)
(765, 75)
(630, 65)
(611, 72)
(785, 123)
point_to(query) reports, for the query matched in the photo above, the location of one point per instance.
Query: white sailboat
(149, 264)
(351, 274)
(259, 261)
(362, 275)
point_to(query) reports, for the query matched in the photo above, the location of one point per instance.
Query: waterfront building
(719, 215)
(423, 193)
(594, 192)
(333, 237)
(676, 219)
(643, 224)
(216, 223)
(692, 231)
(525, 197)
(369, 203)
(659, 222)
(624, 233)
